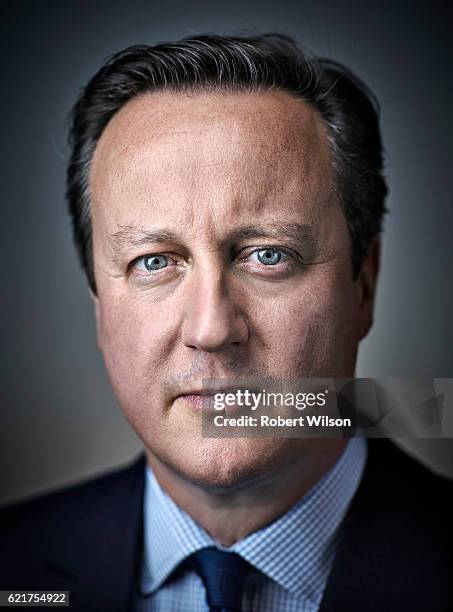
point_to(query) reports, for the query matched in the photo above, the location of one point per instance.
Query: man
(227, 199)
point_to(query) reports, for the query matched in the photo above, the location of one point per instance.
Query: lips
(204, 399)
(199, 401)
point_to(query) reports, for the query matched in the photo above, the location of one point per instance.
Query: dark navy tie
(223, 576)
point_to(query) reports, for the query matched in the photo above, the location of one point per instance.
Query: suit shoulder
(406, 483)
(56, 510)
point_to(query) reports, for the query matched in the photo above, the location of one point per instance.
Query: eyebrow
(274, 229)
(130, 236)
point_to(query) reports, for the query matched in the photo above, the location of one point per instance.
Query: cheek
(131, 339)
(313, 332)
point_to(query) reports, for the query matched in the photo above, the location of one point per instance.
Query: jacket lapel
(98, 561)
(394, 552)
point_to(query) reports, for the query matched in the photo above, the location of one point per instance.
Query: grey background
(59, 419)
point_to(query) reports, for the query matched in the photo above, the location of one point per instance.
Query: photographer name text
(279, 421)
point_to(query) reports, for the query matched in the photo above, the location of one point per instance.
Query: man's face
(220, 251)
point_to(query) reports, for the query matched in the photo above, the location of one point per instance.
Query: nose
(212, 322)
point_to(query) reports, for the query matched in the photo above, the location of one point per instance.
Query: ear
(367, 284)
(96, 314)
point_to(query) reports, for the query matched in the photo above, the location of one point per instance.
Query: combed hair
(232, 64)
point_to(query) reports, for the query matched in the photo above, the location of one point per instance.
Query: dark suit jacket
(395, 553)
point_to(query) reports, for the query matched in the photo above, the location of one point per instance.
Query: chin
(231, 464)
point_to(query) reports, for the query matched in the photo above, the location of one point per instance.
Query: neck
(229, 517)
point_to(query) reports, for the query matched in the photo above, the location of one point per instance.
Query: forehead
(199, 149)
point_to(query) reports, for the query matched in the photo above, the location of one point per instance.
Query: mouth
(198, 400)
(205, 399)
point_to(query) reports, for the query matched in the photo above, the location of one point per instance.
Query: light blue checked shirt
(293, 554)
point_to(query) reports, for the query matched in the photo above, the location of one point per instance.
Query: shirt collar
(304, 536)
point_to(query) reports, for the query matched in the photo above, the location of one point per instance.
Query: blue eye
(270, 256)
(155, 262)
